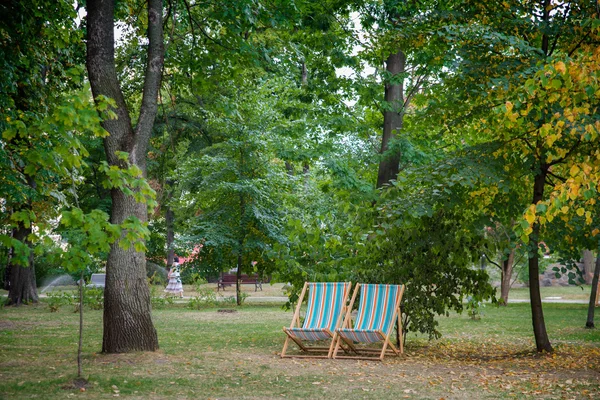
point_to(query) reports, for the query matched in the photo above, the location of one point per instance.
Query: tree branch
(153, 76)
(493, 262)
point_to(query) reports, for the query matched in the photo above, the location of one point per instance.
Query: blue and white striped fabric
(375, 317)
(325, 305)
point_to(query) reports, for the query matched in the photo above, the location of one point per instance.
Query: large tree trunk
(127, 308)
(127, 312)
(593, 296)
(392, 119)
(21, 279)
(539, 326)
(507, 269)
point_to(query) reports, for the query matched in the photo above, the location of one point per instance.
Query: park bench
(230, 280)
(97, 281)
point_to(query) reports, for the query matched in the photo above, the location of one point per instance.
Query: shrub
(94, 297)
(157, 298)
(156, 273)
(206, 297)
(58, 299)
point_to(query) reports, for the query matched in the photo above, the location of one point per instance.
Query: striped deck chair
(378, 309)
(327, 303)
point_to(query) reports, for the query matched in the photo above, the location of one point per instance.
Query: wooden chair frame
(362, 353)
(313, 349)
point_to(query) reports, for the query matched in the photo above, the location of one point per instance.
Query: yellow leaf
(560, 67)
(564, 209)
(530, 215)
(580, 211)
(586, 169)
(574, 170)
(595, 231)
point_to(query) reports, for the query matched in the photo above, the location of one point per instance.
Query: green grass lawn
(211, 354)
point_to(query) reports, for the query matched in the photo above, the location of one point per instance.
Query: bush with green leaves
(56, 300)
(474, 308)
(156, 274)
(158, 298)
(434, 256)
(94, 298)
(206, 298)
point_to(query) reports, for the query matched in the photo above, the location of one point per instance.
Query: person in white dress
(175, 287)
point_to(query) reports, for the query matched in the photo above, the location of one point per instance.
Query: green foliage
(129, 179)
(57, 299)
(206, 297)
(92, 297)
(232, 301)
(434, 257)
(209, 265)
(157, 296)
(93, 233)
(474, 307)
(47, 264)
(230, 189)
(156, 274)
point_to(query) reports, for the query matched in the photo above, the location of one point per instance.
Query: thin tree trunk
(289, 168)
(392, 119)
(127, 314)
(79, 348)
(507, 270)
(588, 266)
(306, 174)
(238, 288)
(304, 74)
(539, 326)
(593, 296)
(169, 219)
(21, 279)
(169, 222)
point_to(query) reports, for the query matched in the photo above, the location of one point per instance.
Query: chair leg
(348, 343)
(394, 348)
(334, 344)
(400, 333)
(384, 347)
(285, 346)
(337, 347)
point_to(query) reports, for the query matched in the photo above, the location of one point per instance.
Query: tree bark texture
(588, 266)
(169, 219)
(539, 326)
(392, 119)
(507, 270)
(593, 296)
(240, 258)
(238, 287)
(21, 279)
(127, 311)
